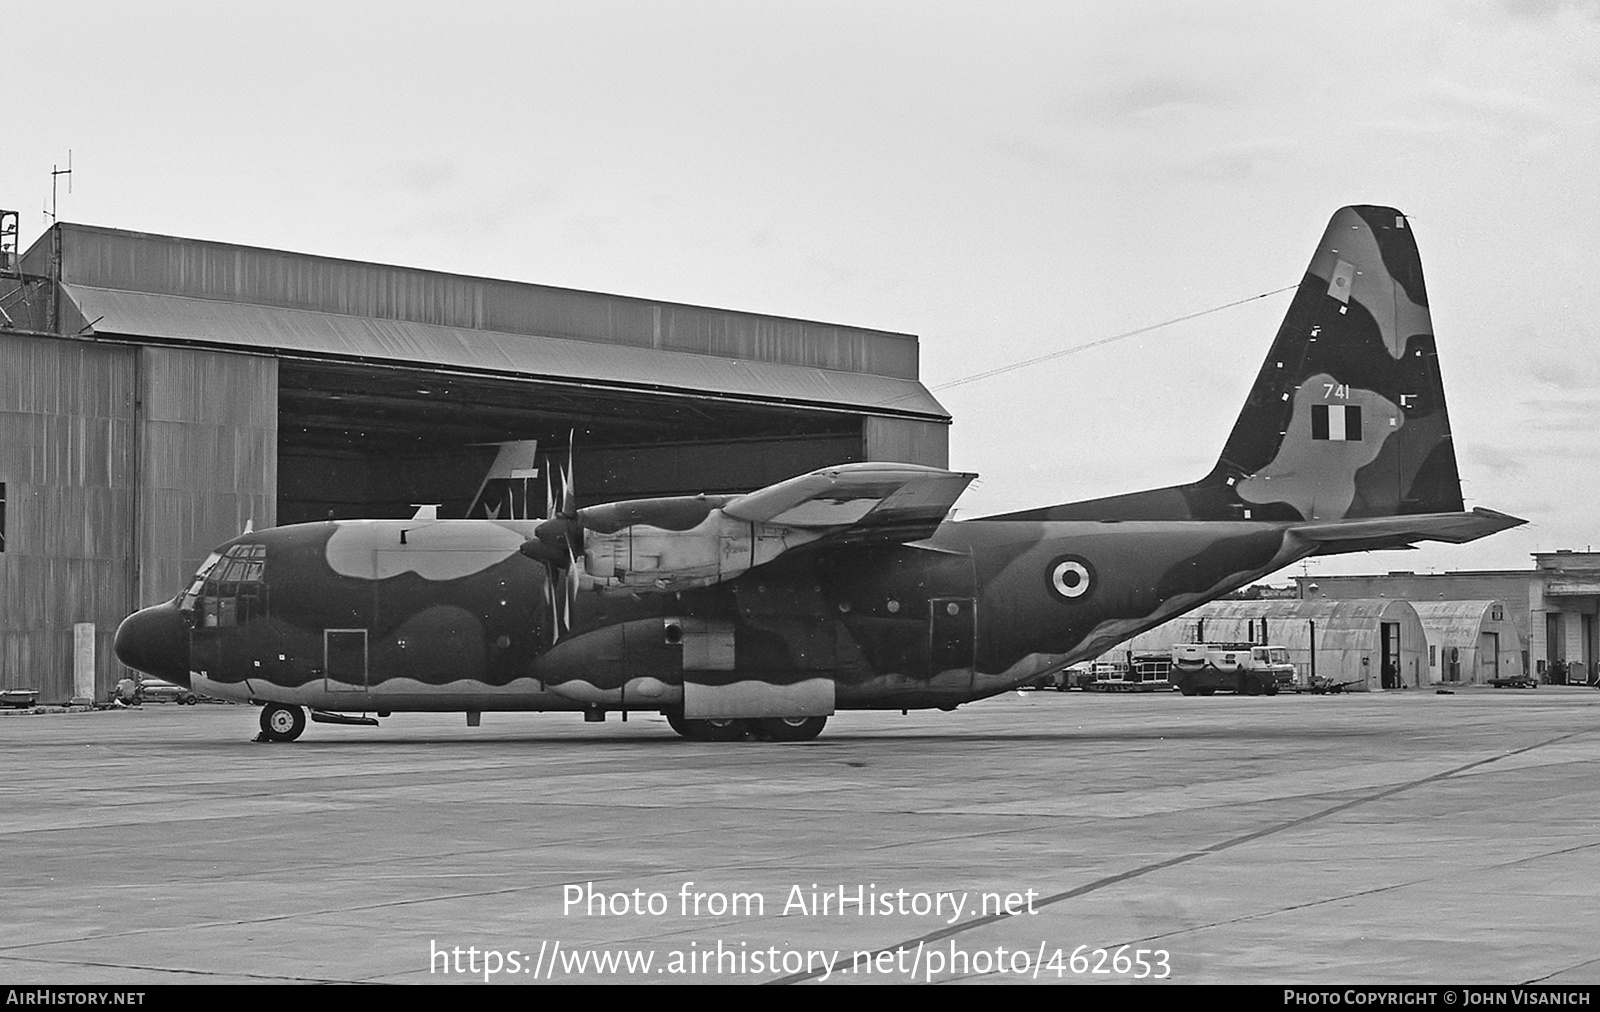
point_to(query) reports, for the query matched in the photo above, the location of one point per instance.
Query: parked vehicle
(159, 690)
(1143, 673)
(1514, 682)
(1199, 669)
(20, 698)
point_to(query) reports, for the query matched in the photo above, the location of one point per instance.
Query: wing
(901, 502)
(672, 544)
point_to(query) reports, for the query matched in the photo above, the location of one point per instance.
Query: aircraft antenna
(999, 370)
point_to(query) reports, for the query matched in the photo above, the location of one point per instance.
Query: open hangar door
(361, 441)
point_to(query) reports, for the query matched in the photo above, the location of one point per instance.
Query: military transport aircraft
(846, 588)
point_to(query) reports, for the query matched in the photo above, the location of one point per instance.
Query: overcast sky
(1004, 180)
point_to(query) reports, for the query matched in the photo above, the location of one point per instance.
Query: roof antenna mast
(56, 172)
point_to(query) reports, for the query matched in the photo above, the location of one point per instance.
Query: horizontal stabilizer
(1379, 533)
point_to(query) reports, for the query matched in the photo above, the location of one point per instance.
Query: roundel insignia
(1069, 577)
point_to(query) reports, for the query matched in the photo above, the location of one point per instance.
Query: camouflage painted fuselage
(842, 588)
(347, 616)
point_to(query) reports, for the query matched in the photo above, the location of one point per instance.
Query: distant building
(1551, 608)
(1471, 642)
(1367, 644)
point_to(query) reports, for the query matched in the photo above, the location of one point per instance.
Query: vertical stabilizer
(1346, 418)
(510, 491)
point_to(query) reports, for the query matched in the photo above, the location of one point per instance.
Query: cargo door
(344, 664)
(952, 628)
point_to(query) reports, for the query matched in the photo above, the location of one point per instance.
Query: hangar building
(1372, 644)
(157, 394)
(1554, 607)
(1470, 642)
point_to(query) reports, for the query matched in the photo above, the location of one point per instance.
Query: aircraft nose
(155, 640)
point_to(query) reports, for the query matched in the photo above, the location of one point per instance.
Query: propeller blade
(572, 583)
(569, 487)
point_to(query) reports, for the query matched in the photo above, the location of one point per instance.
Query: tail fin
(1347, 416)
(506, 492)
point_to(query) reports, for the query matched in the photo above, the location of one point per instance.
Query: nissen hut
(1368, 644)
(1471, 641)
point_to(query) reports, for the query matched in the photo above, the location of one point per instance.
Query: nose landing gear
(281, 722)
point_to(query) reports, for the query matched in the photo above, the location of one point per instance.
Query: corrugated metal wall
(905, 441)
(208, 449)
(110, 258)
(66, 458)
(1461, 626)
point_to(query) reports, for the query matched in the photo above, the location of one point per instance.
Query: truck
(1143, 672)
(1248, 669)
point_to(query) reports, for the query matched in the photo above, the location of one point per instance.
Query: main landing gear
(281, 722)
(738, 728)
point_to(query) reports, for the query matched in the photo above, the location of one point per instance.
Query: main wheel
(676, 720)
(1187, 687)
(715, 729)
(790, 728)
(280, 722)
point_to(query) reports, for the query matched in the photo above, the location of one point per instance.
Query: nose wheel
(280, 722)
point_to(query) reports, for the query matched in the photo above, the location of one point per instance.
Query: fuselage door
(345, 659)
(952, 624)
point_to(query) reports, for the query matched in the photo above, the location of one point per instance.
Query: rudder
(1346, 418)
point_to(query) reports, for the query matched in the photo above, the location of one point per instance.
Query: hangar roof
(304, 334)
(1339, 624)
(167, 289)
(1459, 623)
(1350, 611)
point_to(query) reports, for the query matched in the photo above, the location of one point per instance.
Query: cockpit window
(187, 598)
(230, 589)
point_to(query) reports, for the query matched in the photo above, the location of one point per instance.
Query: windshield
(187, 598)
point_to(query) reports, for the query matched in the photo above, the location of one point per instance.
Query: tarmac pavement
(1400, 837)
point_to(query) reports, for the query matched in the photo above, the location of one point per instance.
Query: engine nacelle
(642, 556)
